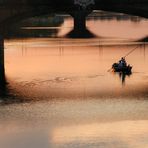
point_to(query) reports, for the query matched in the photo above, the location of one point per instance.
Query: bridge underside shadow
(85, 33)
(79, 15)
(145, 39)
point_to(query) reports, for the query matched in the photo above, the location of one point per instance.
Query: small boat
(123, 69)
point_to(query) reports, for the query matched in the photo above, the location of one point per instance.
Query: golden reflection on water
(75, 123)
(78, 68)
(105, 134)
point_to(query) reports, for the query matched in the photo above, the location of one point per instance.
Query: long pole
(131, 51)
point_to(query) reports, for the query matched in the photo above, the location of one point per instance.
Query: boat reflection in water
(123, 77)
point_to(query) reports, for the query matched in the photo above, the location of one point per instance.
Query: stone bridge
(14, 10)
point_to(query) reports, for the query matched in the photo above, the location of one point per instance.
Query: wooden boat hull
(124, 69)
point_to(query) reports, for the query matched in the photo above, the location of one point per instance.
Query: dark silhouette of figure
(122, 77)
(122, 62)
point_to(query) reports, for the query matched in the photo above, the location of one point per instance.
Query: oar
(109, 70)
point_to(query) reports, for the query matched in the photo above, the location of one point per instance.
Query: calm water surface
(61, 92)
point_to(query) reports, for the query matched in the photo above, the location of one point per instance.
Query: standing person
(123, 61)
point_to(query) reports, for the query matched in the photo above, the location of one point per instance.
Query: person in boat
(122, 63)
(122, 66)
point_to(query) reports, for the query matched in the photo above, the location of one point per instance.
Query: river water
(61, 92)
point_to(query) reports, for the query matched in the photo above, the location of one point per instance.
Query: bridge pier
(80, 30)
(79, 20)
(2, 66)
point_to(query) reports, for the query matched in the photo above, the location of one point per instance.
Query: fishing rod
(131, 51)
